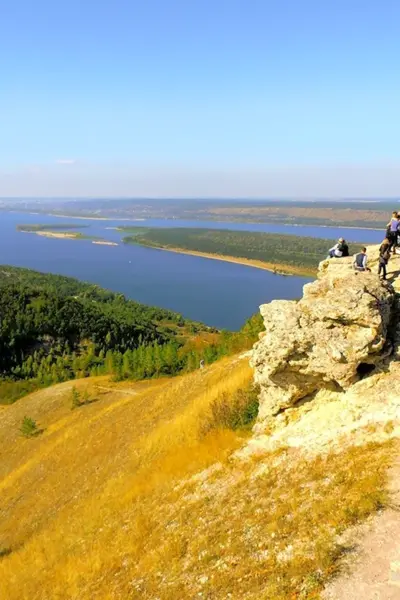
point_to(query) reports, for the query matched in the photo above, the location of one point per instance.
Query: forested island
(33, 228)
(55, 328)
(279, 253)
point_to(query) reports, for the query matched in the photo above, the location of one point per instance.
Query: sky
(200, 98)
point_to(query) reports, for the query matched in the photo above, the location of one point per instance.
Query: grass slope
(284, 253)
(126, 497)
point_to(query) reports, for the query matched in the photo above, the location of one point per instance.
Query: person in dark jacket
(338, 250)
(384, 256)
(361, 260)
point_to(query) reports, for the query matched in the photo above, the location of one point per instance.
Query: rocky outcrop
(338, 332)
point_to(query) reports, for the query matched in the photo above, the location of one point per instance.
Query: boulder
(330, 338)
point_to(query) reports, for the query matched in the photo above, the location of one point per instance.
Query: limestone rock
(326, 340)
(369, 411)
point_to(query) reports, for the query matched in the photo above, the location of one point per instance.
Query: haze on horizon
(168, 98)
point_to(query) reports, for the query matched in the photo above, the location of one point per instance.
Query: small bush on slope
(236, 411)
(29, 427)
(76, 401)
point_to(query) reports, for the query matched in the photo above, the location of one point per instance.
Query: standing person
(397, 233)
(338, 250)
(384, 256)
(361, 260)
(392, 231)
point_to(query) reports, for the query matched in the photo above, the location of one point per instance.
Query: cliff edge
(335, 351)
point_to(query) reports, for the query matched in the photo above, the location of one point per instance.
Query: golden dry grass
(125, 498)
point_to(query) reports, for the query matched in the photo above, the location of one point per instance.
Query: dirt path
(372, 571)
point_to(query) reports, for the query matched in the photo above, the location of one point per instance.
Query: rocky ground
(328, 365)
(329, 372)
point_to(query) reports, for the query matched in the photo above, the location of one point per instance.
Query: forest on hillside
(54, 328)
(280, 250)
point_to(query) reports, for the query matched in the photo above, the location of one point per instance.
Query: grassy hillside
(136, 495)
(286, 253)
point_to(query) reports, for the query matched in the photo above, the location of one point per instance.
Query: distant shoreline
(91, 218)
(278, 269)
(218, 221)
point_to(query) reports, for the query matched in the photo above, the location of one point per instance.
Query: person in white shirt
(338, 250)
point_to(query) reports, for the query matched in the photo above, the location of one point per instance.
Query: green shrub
(76, 401)
(234, 412)
(29, 427)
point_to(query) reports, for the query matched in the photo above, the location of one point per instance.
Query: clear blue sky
(199, 97)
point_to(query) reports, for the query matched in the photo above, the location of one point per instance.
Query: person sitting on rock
(384, 256)
(360, 261)
(339, 250)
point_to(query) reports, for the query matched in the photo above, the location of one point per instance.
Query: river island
(281, 254)
(58, 231)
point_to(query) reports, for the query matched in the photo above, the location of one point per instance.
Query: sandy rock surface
(337, 332)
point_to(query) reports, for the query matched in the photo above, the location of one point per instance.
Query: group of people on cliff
(341, 250)
(388, 246)
(390, 243)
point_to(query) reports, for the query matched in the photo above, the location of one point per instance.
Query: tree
(75, 399)
(29, 427)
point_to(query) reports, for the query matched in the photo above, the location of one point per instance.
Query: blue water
(220, 294)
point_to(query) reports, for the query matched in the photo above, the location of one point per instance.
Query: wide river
(217, 293)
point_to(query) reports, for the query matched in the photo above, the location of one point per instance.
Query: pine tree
(117, 366)
(126, 364)
(54, 374)
(108, 365)
(158, 359)
(170, 356)
(148, 362)
(75, 399)
(29, 427)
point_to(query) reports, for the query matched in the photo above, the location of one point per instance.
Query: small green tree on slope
(29, 427)
(76, 401)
